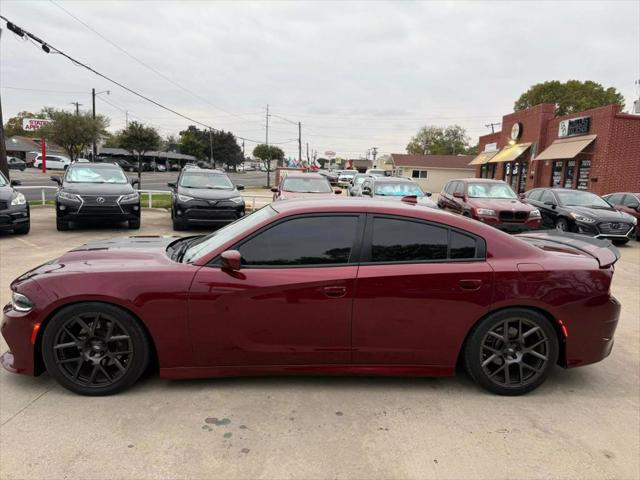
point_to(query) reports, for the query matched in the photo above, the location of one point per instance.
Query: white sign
(32, 124)
(330, 154)
(491, 147)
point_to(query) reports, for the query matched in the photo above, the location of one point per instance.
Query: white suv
(54, 162)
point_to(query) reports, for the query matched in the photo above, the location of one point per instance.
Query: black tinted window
(462, 246)
(403, 241)
(302, 241)
(534, 195)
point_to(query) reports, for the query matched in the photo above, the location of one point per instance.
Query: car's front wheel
(134, 224)
(61, 225)
(23, 229)
(562, 225)
(511, 352)
(94, 348)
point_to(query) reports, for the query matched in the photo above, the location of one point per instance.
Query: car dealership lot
(581, 423)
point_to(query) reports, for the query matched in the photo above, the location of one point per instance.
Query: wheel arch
(38, 362)
(557, 327)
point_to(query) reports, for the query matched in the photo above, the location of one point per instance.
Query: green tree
(192, 142)
(268, 153)
(14, 124)
(74, 133)
(569, 97)
(432, 140)
(138, 140)
(202, 143)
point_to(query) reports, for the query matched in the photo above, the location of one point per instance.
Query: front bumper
(13, 217)
(203, 212)
(602, 230)
(17, 329)
(75, 211)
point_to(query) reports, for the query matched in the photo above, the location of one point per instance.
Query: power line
(48, 48)
(146, 65)
(42, 90)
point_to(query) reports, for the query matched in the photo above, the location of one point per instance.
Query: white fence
(262, 199)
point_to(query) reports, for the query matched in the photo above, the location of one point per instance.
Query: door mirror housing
(135, 181)
(550, 204)
(16, 183)
(240, 187)
(171, 184)
(338, 191)
(274, 189)
(366, 191)
(231, 260)
(428, 194)
(458, 195)
(521, 196)
(55, 178)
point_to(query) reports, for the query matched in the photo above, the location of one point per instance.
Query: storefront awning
(510, 153)
(566, 148)
(483, 158)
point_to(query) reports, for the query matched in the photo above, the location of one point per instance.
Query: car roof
(478, 180)
(391, 179)
(205, 170)
(94, 164)
(304, 175)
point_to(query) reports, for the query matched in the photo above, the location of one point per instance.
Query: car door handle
(470, 284)
(335, 291)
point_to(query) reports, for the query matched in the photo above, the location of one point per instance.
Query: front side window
(614, 199)
(459, 188)
(315, 240)
(87, 174)
(534, 195)
(630, 201)
(306, 185)
(548, 198)
(395, 240)
(3, 180)
(215, 181)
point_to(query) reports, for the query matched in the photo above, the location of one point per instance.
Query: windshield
(358, 179)
(398, 189)
(216, 181)
(490, 190)
(582, 199)
(348, 173)
(91, 174)
(376, 173)
(306, 185)
(214, 240)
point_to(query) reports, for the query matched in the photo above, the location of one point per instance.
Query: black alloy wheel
(94, 349)
(562, 225)
(512, 352)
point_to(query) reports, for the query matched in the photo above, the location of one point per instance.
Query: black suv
(204, 197)
(14, 208)
(96, 191)
(581, 212)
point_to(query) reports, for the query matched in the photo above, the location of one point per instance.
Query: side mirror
(366, 191)
(338, 191)
(428, 194)
(55, 178)
(171, 184)
(239, 187)
(135, 181)
(231, 260)
(274, 189)
(521, 196)
(15, 183)
(551, 204)
(458, 195)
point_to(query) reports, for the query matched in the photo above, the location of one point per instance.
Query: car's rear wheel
(94, 349)
(511, 352)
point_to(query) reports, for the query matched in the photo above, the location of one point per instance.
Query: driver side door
(291, 301)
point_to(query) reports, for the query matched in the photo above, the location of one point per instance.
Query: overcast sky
(356, 75)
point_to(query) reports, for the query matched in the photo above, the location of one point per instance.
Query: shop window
(522, 182)
(483, 171)
(583, 175)
(419, 174)
(556, 173)
(491, 173)
(569, 174)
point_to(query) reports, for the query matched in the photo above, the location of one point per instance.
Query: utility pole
(267, 131)
(93, 110)
(299, 142)
(491, 125)
(4, 166)
(374, 153)
(126, 118)
(77, 104)
(308, 161)
(211, 148)
(243, 157)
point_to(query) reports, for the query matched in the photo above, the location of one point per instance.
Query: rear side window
(398, 240)
(316, 240)
(614, 199)
(630, 200)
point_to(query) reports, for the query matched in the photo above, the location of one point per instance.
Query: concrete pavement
(583, 423)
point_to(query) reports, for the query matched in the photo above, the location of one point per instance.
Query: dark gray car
(14, 208)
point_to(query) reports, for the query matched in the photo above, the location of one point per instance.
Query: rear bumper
(512, 227)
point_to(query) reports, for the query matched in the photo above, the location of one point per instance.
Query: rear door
(289, 304)
(420, 287)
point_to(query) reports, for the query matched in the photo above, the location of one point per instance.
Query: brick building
(596, 150)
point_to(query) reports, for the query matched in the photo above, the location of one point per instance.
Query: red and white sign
(33, 124)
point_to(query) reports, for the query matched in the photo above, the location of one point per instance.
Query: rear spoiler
(602, 250)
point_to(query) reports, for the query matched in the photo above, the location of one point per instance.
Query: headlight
(534, 214)
(582, 218)
(184, 198)
(68, 196)
(20, 303)
(237, 199)
(18, 199)
(130, 197)
(485, 212)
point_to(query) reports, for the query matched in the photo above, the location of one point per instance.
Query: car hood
(6, 193)
(98, 188)
(601, 214)
(500, 204)
(208, 193)
(115, 254)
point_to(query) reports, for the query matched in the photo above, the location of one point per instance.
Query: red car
(299, 185)
(342, 286)
(490, 201)
(627, 202)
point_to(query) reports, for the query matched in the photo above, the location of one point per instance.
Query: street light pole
(93, 110)
(299, 143)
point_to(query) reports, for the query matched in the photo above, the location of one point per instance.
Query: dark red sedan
(343, 286)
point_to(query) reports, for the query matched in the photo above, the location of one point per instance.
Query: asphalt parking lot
(582, 423)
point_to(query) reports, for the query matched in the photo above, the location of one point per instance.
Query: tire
(562, 225)
(23, 229)
(178, 224)
(93, 363)
(620, 242)
(61, 225)
(513, 360)
(134, 224)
